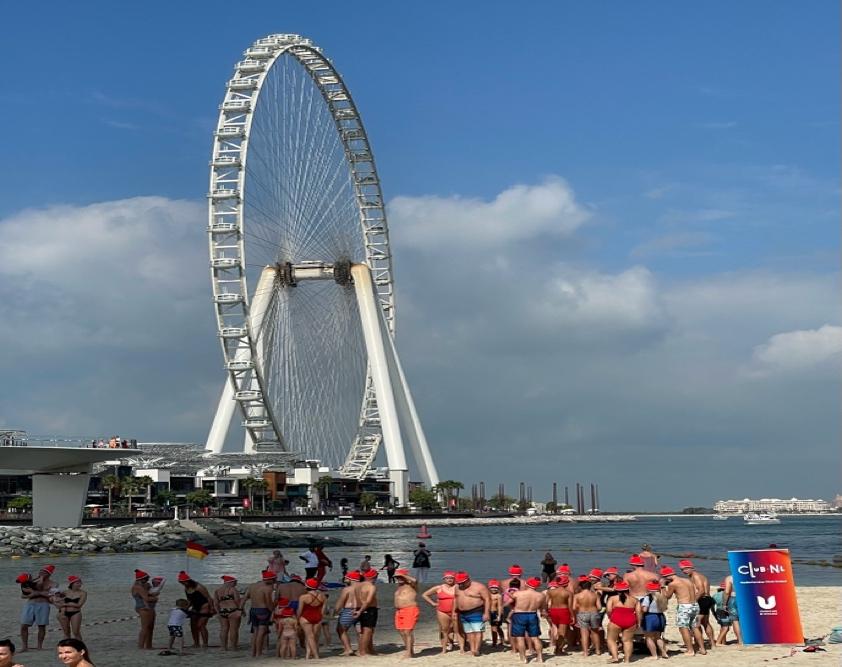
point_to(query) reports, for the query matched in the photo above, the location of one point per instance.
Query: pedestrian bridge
(60, 478)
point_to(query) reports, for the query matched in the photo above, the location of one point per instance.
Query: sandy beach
(110, 631)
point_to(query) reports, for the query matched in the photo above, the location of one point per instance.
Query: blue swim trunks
(472, 620)
(524, 624)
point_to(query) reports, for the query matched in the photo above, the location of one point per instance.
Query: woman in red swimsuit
(310, 611)
(445, 596)
(624, 615)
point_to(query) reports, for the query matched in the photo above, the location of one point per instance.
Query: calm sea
(486, 552)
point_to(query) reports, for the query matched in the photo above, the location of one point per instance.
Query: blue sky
(700, 140)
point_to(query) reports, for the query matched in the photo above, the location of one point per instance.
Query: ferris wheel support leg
(264, 294)
(378, 358)
(222, 419)
(407, 413)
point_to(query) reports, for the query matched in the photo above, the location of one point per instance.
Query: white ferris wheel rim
(228, 224)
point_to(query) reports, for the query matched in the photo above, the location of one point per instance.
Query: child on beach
(496, 612)
(175, 624)
(287, 626)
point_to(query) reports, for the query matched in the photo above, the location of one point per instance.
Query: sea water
(487, 551)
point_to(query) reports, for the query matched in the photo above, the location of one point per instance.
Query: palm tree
(110, 483)
(130, 486)
(249, 484)
(261, 486)
(323, 487)
(147, 482)
(367, 499)
(446, 490)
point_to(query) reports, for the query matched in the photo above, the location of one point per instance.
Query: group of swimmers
(512, 608)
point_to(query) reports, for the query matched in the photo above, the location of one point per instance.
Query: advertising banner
(766, 602)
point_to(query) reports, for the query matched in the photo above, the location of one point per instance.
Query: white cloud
(521, 212)
(810, 350)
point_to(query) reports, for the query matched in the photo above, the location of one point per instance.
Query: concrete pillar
(58, 499)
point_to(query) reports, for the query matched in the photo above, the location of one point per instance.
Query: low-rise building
(793, 505)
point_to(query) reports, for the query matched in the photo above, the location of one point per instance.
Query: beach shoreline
(110, 629)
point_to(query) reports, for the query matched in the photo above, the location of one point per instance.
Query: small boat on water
(720, 517)
(761, 518)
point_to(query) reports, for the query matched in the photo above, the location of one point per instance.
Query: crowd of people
(286, 613)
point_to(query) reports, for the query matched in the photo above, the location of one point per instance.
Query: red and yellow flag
(196, 550)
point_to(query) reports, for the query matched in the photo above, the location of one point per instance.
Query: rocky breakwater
(160, 536)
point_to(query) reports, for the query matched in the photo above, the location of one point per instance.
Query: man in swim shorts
(638, 577)
(526, 604)
(406, 609)
(345, 607)
(37, 592)
(260, 596)
(559, 612)
(703, 599)
(473, 605)
(367, 612)
(686, 614)
(586, 607)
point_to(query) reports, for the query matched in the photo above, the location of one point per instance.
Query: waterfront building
(793, 505)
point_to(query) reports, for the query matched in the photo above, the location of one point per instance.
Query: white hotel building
(772, 505)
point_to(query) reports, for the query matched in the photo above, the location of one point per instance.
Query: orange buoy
(424, 534)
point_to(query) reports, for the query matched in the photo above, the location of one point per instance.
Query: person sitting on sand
(7, 654)
(686, 614)
(406, 609)
(524, 621)
(260, 596)
(445, 594)
(624, 616)
(144, 605)
(230, 607)
(473, 605)
(70, 605)
(73, 653)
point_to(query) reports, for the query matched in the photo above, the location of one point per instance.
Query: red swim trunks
(560, 616)
(406, 618)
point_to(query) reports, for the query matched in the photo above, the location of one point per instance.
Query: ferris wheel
(302, 271)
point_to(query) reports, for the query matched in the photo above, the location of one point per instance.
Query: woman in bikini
(310, 612)
(70, 607)
(144, 604)
(624, 615)
(445, 594)
(201, 608)
(230, 608)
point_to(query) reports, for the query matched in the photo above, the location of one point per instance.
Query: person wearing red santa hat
(144, 604)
